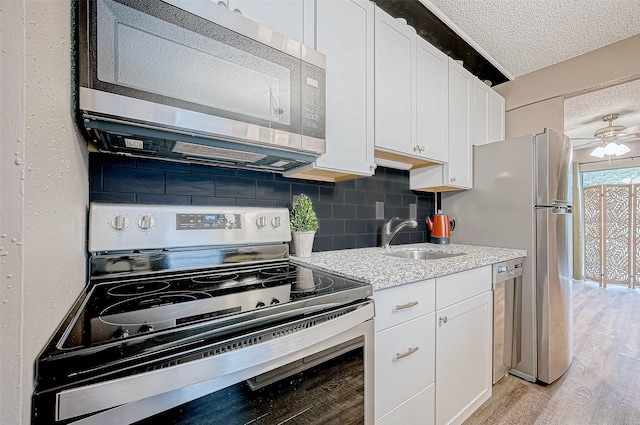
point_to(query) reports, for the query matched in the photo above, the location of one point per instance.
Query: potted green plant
(304, 224)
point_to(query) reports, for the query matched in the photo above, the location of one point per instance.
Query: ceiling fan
(612, 138)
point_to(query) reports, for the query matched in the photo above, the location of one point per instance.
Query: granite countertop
(384, 271)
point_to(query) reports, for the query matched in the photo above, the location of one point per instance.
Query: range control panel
(213, 221)
(123, 227)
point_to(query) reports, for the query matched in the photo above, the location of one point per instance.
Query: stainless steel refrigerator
(521, 198)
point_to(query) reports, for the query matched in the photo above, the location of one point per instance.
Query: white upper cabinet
(395, 76)
(344, 33)
(432, 102)
(488, 114)
(283, 16)
(409, 86)
(496, 117)
(457, 173)
(480, 113)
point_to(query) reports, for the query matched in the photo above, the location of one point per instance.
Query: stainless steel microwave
(190, 80)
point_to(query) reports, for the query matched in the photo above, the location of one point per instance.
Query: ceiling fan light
(598, 152)
(611, 148)
(622, 149)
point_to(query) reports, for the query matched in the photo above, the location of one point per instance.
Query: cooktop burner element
(302, 280)
(217, 279)
(147, 313)
(137, 288)
(280, 271)
(317, 284)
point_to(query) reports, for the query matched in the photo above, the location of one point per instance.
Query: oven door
(331, 362)
(197, 66)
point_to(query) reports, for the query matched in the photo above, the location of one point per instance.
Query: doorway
(611, 225)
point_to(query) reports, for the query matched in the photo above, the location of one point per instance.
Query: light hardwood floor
(602, 386)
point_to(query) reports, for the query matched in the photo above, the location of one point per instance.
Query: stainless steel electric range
(186, 303)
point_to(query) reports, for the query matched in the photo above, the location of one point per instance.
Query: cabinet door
(432, 102)
(458, 172)
(283, 16)
(395, 67)
(463, 358)
(496, 117)
(404, 362)
(345, 34)
(480, 113)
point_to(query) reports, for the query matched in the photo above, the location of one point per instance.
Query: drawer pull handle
(407, 305)
(409, 352)
(443, 319)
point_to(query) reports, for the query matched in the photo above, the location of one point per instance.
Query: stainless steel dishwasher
(507, 316)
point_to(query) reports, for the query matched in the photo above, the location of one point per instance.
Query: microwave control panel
(313, 101)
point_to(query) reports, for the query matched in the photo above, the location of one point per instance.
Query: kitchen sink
(423, 255)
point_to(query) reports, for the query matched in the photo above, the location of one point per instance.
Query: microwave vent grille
(215, 152)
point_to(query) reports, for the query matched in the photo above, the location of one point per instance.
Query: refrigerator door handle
(557, 209)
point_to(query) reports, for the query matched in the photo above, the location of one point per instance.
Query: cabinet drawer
(461, 286)
(405, 362)
(418, 410)
(401, 303)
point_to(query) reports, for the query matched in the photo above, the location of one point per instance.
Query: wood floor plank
(602, 386)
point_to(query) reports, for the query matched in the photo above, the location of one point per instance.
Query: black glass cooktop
(122, 327)
(124, 309)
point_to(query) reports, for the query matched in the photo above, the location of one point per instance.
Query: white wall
(47, 211)
(11, 208)
(534, 118)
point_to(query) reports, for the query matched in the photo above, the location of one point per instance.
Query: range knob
(120, 222)
(145, 328)
(146, 222)
(275, 301)
(260, 304)
(261, 222)
(275, 222)
(120, 333)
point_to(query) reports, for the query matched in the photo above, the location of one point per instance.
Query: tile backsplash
(346, 210)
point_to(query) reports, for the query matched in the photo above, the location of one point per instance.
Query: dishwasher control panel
(507, 270)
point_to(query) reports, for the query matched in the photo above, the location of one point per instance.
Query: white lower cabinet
(404, 364)
(434, 367)
(418, 410)
(405, 354)
(464, 332)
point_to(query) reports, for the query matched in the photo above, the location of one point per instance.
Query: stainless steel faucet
(388, 234)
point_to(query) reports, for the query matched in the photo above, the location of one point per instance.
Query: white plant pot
(303, 243)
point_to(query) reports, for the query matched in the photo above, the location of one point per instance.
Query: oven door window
(331, 391)
(166, 55)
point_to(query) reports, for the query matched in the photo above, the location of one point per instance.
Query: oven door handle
(89, 399)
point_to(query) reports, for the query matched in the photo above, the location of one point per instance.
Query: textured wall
(12, 127)
(346, 210)
(55, 184)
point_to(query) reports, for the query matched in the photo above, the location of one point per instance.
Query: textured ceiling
(526, 35)
(583, 114)
(523, 36)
